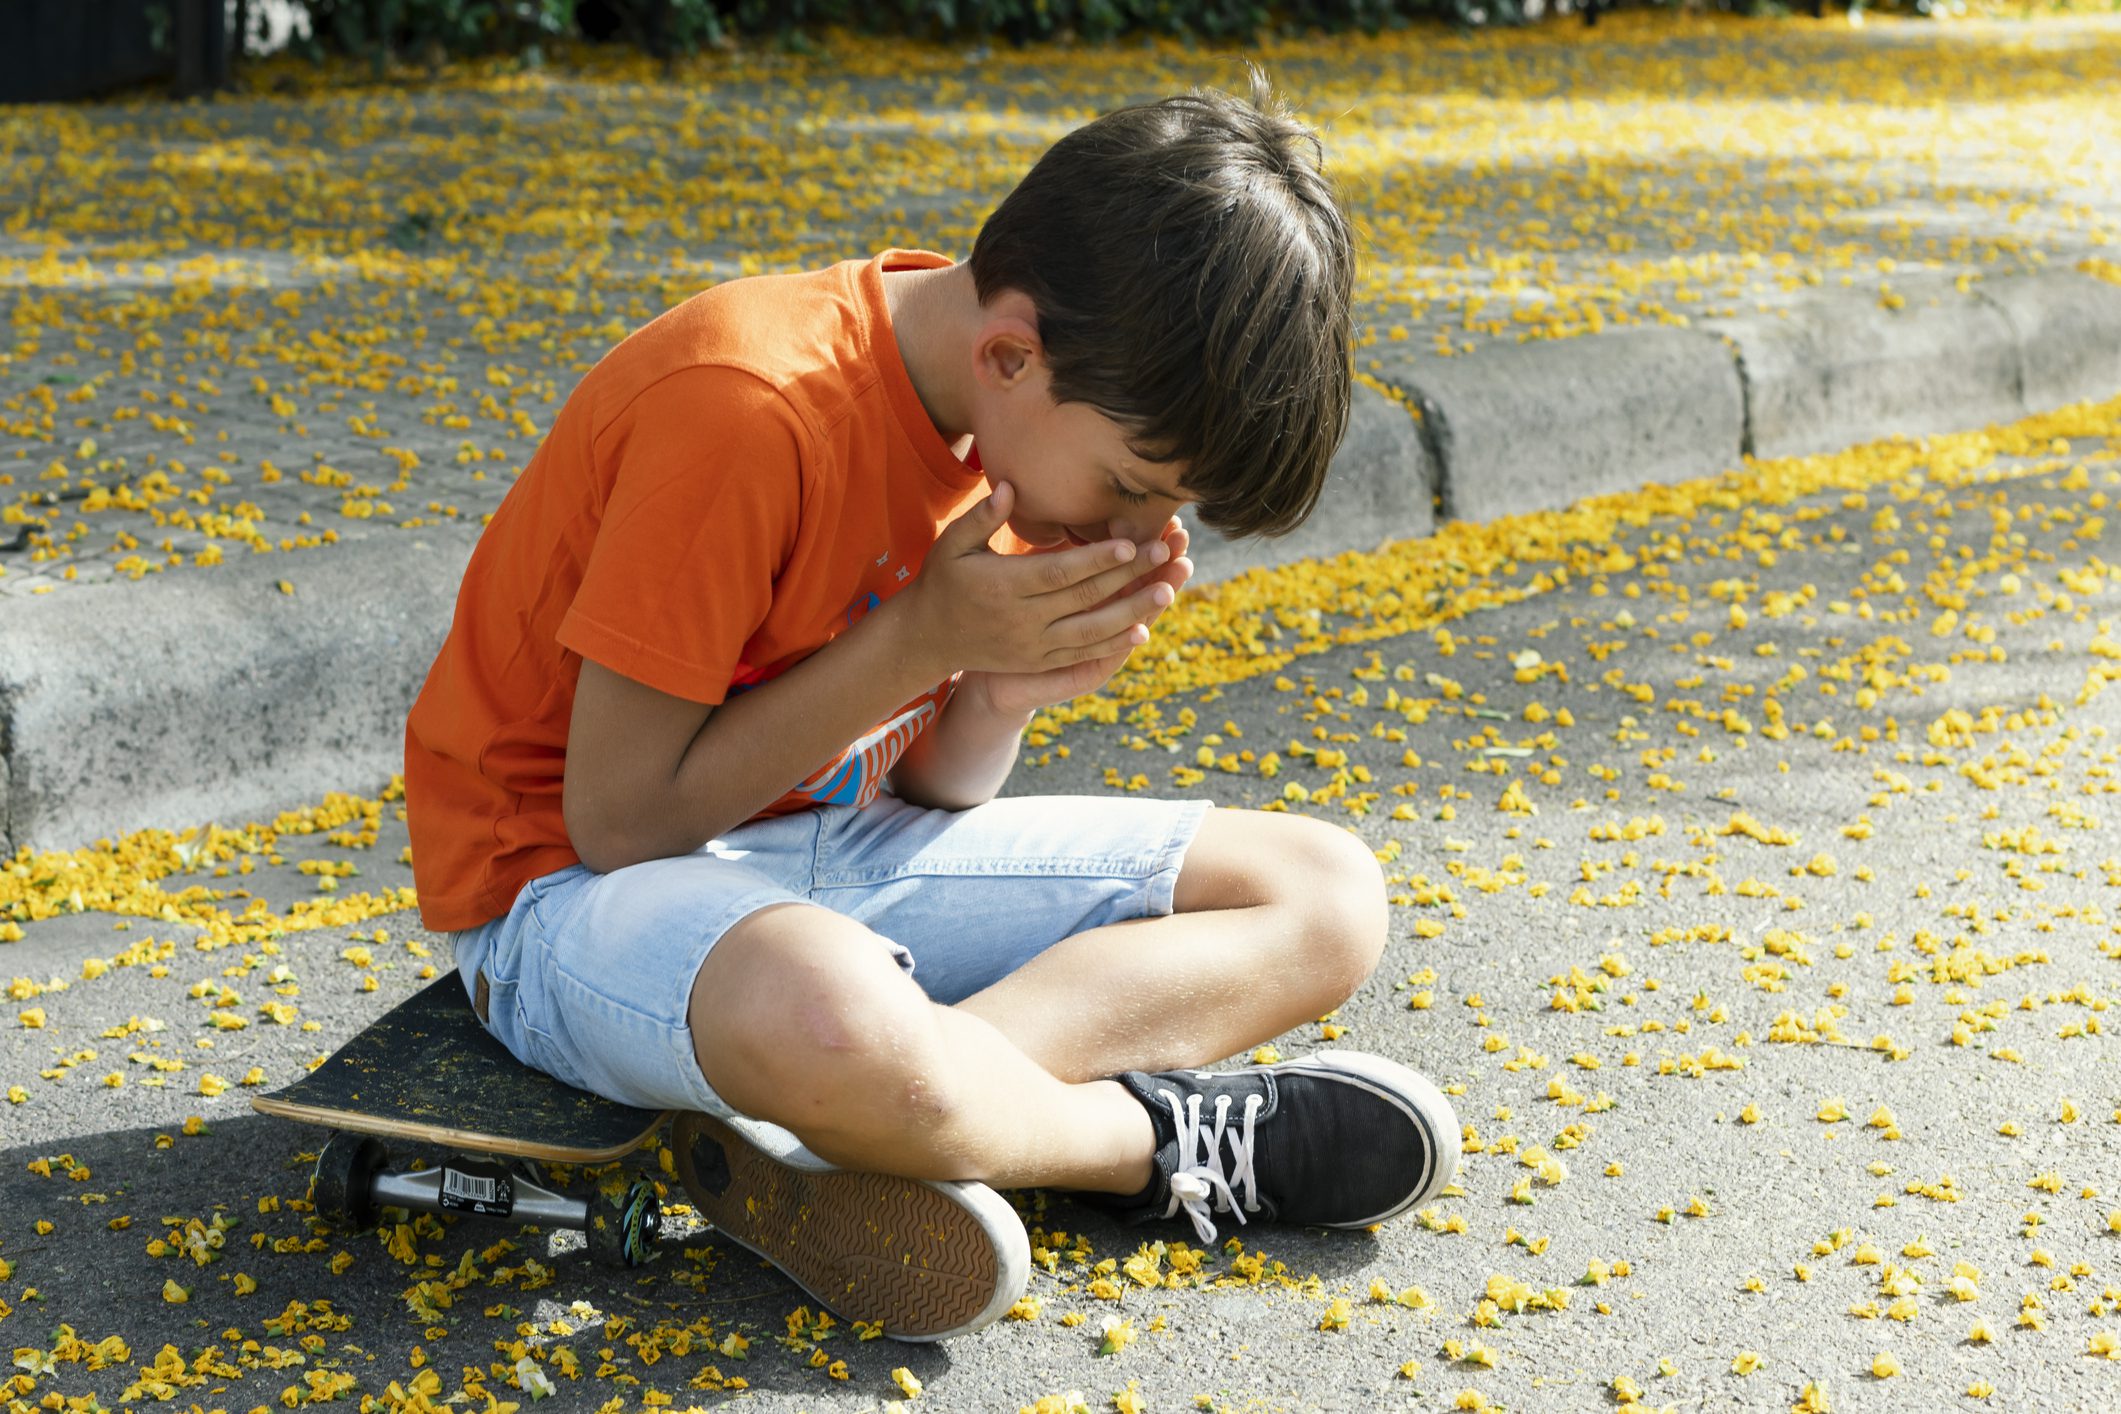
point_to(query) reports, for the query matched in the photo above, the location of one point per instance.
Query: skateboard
(427, 1072)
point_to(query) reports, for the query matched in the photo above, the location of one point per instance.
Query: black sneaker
(1337, 1139)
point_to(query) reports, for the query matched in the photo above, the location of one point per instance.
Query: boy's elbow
(909, 788)
(596, 857)
(609, 835)
(609, 853)
(589, 846)
(595, 838)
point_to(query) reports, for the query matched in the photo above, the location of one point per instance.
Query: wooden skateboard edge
(449, 1137)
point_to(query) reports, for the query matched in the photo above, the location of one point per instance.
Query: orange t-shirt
(730, 487)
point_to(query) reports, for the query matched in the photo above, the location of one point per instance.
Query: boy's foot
(1338, 1139)
(927, 1259)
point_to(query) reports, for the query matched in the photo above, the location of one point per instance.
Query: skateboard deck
(427, 1072)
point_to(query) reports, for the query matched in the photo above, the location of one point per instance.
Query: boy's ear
(1008, 341)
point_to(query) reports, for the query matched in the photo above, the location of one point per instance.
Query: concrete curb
(269, 699)
(1838, 372)
(1525, 427)
(2068, 331)
(264, 700)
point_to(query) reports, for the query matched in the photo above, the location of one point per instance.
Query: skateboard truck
(353, 1184)
(427, 1072)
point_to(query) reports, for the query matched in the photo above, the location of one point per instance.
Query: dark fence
(61, 49)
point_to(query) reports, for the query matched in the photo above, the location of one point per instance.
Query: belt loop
(478, 1000)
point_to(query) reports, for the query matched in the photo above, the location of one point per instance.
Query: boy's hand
(1010, 694)
(1049, 627)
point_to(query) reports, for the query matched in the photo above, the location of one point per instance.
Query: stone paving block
(2068, 331)
(252, 700)
(1540, 425)
(1380, 487)
(1844, 369)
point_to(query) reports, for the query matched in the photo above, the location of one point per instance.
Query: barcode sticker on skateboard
(484, 1189)
(469, 1187)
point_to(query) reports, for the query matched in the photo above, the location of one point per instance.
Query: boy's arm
(963, 759)
(652, 776)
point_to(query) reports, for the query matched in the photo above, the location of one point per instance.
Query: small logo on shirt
(863, 604)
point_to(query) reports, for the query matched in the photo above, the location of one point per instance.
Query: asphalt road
(353, 310)
(1803, 848)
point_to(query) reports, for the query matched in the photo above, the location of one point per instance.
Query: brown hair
(1193, 272)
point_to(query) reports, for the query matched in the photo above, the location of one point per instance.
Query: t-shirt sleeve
(706, 498)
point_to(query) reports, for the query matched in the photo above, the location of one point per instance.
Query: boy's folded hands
(977, 611)
(1173, 569)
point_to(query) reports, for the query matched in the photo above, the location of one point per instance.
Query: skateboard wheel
(343, 1188)
(623, 1230)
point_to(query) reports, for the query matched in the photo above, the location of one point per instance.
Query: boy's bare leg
(800, 1017)
(1188, 989)
(1276, 919)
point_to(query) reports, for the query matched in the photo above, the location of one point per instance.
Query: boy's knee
(801, 1017)
(1344, 891)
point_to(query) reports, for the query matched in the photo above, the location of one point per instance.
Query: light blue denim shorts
(589, 976)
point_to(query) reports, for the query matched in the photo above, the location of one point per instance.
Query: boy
(760, 530)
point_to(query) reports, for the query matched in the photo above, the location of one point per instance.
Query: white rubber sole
(929, 1260)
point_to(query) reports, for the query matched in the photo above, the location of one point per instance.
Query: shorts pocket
(504, 1013)
(517, 966)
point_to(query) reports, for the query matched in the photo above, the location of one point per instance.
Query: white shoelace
(1195, 1182)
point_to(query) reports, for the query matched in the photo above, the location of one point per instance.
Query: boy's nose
(1141, 532)
(1144, 531)
(1115, 529)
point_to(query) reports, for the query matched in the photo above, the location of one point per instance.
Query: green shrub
(430, 29)
(383, 29)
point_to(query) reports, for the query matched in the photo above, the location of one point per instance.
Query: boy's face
(1076, 481)
(1074, 477)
